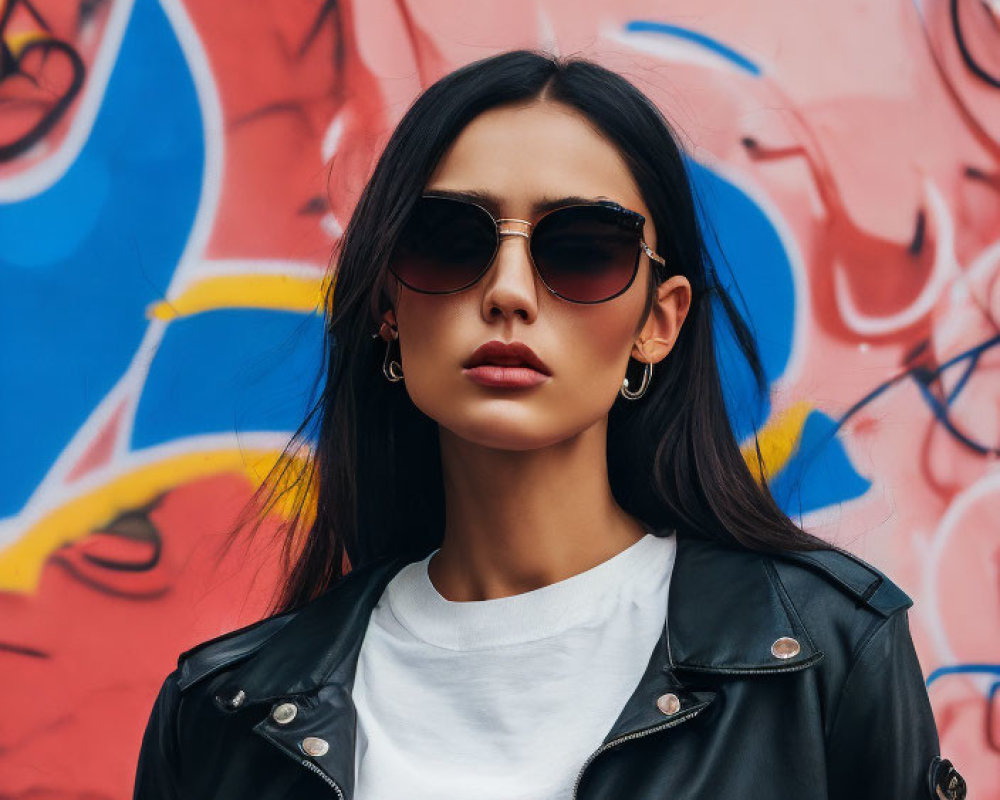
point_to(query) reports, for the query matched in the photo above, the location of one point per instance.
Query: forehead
(521, 154)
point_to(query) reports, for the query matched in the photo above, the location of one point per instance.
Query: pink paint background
(864, 116)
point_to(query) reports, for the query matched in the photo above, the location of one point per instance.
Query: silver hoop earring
(391, 368)
(647, 374)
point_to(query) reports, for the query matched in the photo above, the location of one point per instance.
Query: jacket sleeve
(157, 771)
(883, 741)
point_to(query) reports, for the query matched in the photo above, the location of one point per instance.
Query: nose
(509, 226)
(511, 283)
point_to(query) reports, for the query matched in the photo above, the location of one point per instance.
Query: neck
(517, 520)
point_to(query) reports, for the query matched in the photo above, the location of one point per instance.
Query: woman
(519, 498)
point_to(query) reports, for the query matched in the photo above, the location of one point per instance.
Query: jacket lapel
(311, 663)
(726, 609)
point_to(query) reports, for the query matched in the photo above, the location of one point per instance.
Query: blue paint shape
(231, 370)
(967, 669)
(734, 57)
(753, 266)
(819, 473)
(83, 259)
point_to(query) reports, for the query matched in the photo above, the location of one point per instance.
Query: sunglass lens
(445, 245)
(587, 253)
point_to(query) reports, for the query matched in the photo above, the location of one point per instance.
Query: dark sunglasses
(584, 253)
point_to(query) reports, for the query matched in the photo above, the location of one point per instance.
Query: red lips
(507, 354)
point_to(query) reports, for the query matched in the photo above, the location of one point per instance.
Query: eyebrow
(492, 202)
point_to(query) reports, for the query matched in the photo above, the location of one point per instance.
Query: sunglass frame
(635, 218)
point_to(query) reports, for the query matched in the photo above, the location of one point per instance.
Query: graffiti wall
(173, 175)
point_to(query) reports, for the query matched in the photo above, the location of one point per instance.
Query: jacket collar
(726, 608)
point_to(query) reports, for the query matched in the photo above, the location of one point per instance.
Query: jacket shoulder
(854, 577)
(213, 655)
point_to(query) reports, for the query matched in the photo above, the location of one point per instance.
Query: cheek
(602, 335)
(430, 344)
(607, 335)
(598, 343)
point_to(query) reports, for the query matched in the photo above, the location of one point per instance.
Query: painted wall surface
(172, 177)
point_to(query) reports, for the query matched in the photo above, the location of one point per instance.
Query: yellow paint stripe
(18, 41)
(22, 561)
(282, 292)
(779, 440)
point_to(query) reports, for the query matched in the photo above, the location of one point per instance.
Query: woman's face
(525, 154)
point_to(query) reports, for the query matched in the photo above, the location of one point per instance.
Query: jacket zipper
(307, 763)
(614, 742)
(689, 715)
(621, 739)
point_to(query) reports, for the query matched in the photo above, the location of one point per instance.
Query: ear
(391, 288)
(388, 321)
(663, 325)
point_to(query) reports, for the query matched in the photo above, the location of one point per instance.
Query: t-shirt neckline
(589, 597)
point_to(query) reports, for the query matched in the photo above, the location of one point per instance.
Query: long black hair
(372, 485)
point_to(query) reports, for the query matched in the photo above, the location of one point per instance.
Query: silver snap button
(314, 746)
(284, 713)
(668, 703)
(785, 647)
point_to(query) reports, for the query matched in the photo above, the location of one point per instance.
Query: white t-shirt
(503, 698)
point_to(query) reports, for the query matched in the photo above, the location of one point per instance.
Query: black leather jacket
(776, 677)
